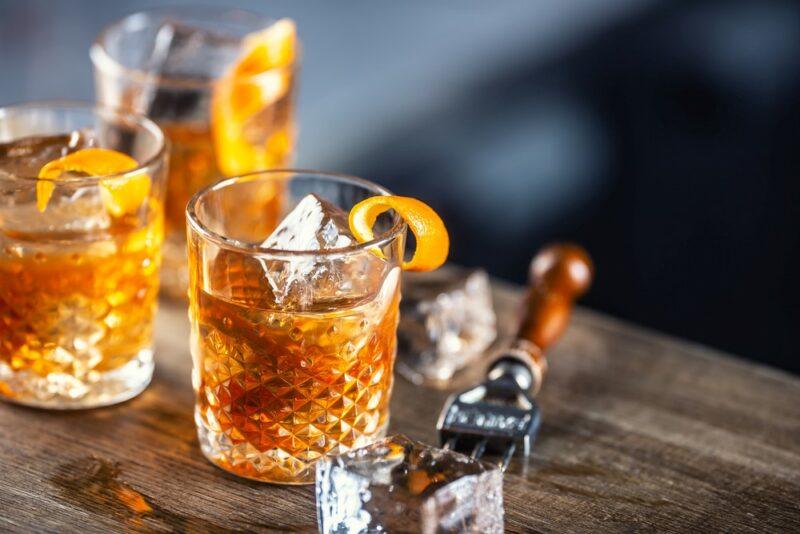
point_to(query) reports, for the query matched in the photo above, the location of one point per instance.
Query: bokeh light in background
(662, 135)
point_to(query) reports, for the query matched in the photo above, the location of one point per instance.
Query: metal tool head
(495, 417)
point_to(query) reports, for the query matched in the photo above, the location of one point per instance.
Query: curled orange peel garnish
(121, 194)
(433, 242)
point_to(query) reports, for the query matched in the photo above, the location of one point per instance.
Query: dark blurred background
(664, 136)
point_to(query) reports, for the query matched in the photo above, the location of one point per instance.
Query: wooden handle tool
(558, 275)
(500, 415)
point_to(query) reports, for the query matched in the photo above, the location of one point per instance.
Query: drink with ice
(293, 326)
(219, 82)
(80, 272)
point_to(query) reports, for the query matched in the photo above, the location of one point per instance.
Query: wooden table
(640, 432)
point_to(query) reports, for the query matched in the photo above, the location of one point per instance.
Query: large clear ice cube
(188, 53)
(180, 50)
(24, 157)
(446, 322)
(299, 282)
(398, 485)
(74, 206)
(314, 224)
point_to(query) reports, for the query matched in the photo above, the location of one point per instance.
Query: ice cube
(314, 224)
(180, 50)
(74, 207)
(398, 485)
(185, 52)
(302, 281)
(446, 322)
(24, 157)
(80, 210)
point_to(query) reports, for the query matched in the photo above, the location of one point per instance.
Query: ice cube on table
(399, 485)
(446, 322)
(299, 282)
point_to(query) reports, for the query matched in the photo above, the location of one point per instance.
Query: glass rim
(194, 222)
(92, 107)
(104, 62)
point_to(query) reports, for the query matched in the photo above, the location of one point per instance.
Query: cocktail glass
(78, 272)
(293, 349)
(181, 67)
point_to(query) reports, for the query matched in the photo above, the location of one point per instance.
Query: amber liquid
(279, 389)
(193, 165)
(75, 307)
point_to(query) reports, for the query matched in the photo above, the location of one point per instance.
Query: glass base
(60, 391)
(274, 466)
(174, 268)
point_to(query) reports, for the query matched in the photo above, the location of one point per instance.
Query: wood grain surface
(640, 433)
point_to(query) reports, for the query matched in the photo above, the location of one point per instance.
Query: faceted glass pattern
(293, 356)
(71, 318)
(279, 390)
(78, 284)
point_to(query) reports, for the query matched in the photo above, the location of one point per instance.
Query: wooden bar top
(640, 432)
